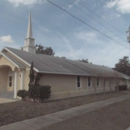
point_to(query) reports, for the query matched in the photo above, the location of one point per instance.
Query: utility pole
(128, 37)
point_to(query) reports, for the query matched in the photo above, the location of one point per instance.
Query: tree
(34, 77)
(85, 61)
(123, 66)
(33, 91)
(31, 75)
(44, 50)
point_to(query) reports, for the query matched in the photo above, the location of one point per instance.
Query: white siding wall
(64, 86)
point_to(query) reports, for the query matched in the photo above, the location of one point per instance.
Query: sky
(75, 29)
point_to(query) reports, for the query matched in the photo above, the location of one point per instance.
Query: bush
(44, 92)
(33, 92)
(39, 92)
(23, 94)
(122, 87)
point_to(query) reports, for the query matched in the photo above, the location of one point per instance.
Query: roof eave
(12, 61)
(21, 59)
(77, 74)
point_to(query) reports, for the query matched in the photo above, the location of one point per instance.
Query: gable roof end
(5, 48)
(13, 61)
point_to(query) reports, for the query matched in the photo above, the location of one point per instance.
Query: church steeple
(29, 31)
(29, 43)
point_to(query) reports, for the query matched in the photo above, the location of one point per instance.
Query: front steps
(7, 94)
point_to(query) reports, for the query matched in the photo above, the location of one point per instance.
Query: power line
(86, 24)
(93, 18)
(100, 17)
(119, 13)
(84, 12)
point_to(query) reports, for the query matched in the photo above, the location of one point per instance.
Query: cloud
(70, 52)
(118, 15)
(111, 4)
(24, 2)
(108, 56)
(82, 45)
(76, 2)
(122, 6)
(6, 39)
(99, 50)
(63, 45)
(87, 37)
(70, 6)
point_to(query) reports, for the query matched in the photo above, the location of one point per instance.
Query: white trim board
(11, 61)
(21, 59)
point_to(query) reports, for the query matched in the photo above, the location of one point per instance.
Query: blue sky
(68, 36)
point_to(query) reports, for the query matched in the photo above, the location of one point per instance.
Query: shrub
(44, 92)
(122, 87)
(33, 92)
(39, 92)
(23, 94)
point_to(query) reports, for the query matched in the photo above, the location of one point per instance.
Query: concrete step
(7, 94)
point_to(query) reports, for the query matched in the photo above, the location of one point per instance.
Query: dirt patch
(21, 110)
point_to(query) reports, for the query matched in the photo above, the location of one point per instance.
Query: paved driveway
(5, 100)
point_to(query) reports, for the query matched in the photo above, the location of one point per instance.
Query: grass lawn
(111, 117)
(21, 110)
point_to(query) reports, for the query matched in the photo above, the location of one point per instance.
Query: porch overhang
(11, 59)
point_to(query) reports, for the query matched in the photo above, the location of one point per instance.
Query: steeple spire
(29, 43)
(29, 31)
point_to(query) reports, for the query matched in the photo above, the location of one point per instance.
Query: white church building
(67, 78)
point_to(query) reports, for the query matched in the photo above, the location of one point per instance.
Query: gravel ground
(112, 117)
(21, 110)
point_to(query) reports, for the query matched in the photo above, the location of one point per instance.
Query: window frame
(89, 81)
(98, 82)
(10, 81)
(78, 82)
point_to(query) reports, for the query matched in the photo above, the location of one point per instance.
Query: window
(78, 81)
(97, 81)
(10, 81)
(89, 81)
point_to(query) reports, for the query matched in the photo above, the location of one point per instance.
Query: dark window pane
(78, 81)
(89, 84)
(10, 81)
(89, 81)
(10, 84)
(78, 84)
